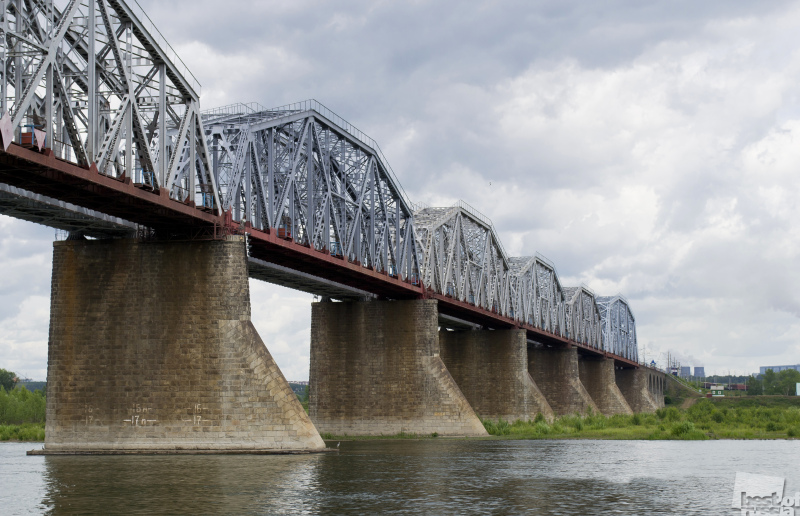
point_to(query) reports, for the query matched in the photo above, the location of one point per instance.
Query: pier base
(152, 351)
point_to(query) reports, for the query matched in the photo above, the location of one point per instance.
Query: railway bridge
(424, 325)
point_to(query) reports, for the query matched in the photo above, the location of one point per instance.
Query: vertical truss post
(248, 184)
(162, 124)
(18, 58)
(271, 179)
(326, 229)
(343, 171)
(92, 93)
(131, 111)
(192, 158)
(48, 97)
(372, 178)
(310, 182)
(3, 57)
(291, 212)
(48, 107)
(397, 237)
(215, 158)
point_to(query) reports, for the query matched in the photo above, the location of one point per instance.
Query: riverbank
(33, 432)
(755, 418)
(764, 417)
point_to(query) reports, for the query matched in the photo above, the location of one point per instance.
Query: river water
(436, 476)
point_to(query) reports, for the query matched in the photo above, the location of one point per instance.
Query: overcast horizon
(648, 149)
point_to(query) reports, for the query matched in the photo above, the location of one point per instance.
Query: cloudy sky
(648, 148)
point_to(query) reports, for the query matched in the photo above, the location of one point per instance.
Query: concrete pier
(597, 376)
(152, 351)
(555, 371)
(491, 369)
(643, 388)
(376, 370)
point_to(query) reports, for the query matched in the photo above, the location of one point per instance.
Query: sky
(646, 148)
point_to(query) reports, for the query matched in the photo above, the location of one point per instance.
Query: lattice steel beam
(98, 81)
(619, 326)
(305, 172)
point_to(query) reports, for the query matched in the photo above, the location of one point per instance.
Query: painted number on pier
(140, 416)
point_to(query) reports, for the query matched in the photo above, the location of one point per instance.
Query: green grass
(24, 432)
(706, 419)
(756, 401)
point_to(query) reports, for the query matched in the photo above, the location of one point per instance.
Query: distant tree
(770, 382)
(7, 379)
(787, 381)
(754, 386)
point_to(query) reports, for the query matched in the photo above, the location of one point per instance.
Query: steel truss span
(619, 326)
(299, 170)
(461, 257)
(94, 83)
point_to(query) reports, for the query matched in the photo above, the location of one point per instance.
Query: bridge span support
(556, 372)
(491, 369)
(643, 388)
(376, 370)
(597, 375)
(152, 351)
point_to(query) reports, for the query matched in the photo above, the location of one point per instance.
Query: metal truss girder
(461, 257)
(618, 326)
(78, 70)
(289, 118)
(313, 182)
(583, 316)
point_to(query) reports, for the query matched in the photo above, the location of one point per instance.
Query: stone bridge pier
(491, 368)
(574, 383)
(151, 350)
(597, 374)
(556, 372)
(376, 369)
(643, 388)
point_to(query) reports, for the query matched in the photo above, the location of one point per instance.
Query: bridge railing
(162, 42)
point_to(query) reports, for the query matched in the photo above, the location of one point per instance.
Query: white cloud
(23, 342)
(283, 319)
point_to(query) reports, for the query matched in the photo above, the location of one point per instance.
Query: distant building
(717, 390)
(779, 368)
(700, 371)
(686, 371)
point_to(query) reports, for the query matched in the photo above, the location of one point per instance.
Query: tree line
(772, 383)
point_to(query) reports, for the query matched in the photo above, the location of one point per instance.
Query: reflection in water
(433, 476)
(201, 484)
